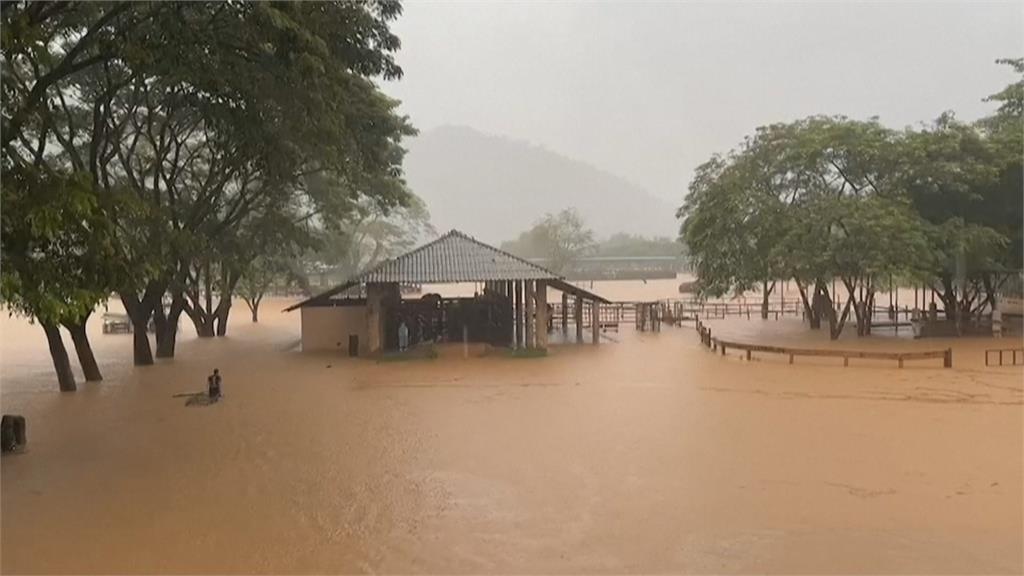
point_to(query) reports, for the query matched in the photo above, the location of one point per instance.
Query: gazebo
(363, 313)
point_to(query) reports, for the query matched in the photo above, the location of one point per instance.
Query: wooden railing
(717, 344)
(1012, 352)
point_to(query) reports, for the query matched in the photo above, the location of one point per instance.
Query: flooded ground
(646, 454)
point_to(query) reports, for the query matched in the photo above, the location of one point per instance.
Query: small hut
(362, 315)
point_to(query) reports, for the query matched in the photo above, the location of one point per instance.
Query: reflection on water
(650, 454)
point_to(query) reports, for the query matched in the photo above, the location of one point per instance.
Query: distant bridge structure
(620, 267)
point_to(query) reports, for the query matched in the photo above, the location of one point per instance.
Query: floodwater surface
(647, 453)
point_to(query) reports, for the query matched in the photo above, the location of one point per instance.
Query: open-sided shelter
(363, 314)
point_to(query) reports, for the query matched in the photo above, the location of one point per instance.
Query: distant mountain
(493, 188)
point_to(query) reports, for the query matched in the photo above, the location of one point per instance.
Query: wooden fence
(717, 344)
(1013, 354)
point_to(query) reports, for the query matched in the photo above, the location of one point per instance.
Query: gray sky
(649, 90)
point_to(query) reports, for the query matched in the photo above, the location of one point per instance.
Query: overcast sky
(649, 90)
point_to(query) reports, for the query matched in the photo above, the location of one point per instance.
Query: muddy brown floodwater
(646, 454)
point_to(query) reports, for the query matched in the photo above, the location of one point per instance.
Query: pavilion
(363, 313)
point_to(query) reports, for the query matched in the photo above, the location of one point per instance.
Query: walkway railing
(1013, 353)
(716, 344)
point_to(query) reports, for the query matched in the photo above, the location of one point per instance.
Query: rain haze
(611, 287)
(649, 90)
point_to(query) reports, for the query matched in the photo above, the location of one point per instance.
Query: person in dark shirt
(214, 385)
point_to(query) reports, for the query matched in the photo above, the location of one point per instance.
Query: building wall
(328, 327)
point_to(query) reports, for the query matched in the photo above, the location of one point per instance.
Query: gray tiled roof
(455, 257)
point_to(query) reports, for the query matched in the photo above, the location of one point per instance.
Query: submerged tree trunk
(223, 309)
(836, 321)
(204, 325)
(861, 294)
(167, 328)
(766, 292)
(254, 306)
(228, 282)
(139, 312)
(202, 318)
(86, 358)
(59, 354)
(811, 310)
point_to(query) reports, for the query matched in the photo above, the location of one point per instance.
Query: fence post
(947, 360)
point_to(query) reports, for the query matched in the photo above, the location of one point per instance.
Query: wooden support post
(846, 361)
(748, 355)
(790, 358)
(528, 294)
(578, 306)
(900, 360)
(520, 339)
(947, 360)
(897, 308)
(508, 289)
(541, 297)
(374, 317)
(595, 321)
(565, 315)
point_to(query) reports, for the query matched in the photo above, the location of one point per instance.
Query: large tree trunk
(86, 359)
(59, 354)
(139, 312)
(167, 329)
(836, 325)
(836, 322)
(766, 291)
(812, 311)
(201, 317)
(223, 309)
(204, 326)
(861, 297)
(254, 306)
(228, 281)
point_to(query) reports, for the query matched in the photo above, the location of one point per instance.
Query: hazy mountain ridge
(494, 187)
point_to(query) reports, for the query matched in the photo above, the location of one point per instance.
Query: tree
(813, 200)
(262, 273)
(56, 258)
(733, 220)
(560, 239)
(208, 114)
(955, 176)
(372, 233)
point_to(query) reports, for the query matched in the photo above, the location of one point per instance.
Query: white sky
(649, 90)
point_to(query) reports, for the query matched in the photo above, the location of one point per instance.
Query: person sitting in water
(213, 382)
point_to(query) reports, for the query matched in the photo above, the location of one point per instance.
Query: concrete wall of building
(329, 327)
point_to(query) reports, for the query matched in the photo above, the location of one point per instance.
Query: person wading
(213, 383)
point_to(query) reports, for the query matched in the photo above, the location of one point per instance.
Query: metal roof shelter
(457, 257)
(454, 257)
